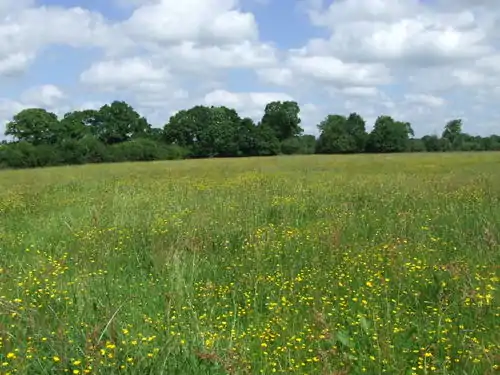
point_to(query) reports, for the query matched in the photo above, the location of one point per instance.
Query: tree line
(117, 133)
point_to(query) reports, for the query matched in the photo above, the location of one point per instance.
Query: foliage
(304, 144)
(34, 125)
(118, 133)
(283, 118)
(389, 135)
(117, 123)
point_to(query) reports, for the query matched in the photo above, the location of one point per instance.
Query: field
(291, 265)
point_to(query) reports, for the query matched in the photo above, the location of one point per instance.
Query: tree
(356, 129)
(156, 134)
(432, 143)
(308, 143)
(333, 137)
(219, 135)
(78, 124)
(206, 131)
(389, 135)
(291, 146)
(342, 135)
(452, 130)
(34, 125)
(119, 122)
(283, 118)
(267, 144)
(247, 138)
(185, 126)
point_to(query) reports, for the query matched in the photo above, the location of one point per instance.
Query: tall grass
(292, 265)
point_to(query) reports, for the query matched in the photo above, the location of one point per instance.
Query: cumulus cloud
(128, 73)
(249, 104)
(425, 99)
(209, 21)
(43, 96)
(420, 61)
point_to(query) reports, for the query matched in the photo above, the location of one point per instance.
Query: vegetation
(117, 133)
(299, 265)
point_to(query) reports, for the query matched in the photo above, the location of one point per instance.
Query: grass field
(293, 265)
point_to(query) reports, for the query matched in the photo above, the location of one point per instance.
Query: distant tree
(283, 118)
(156, 134)
(308, 143)
(206, 131)
(389, 135)
(356, 129)
(78, 124)
(333, 136)
(119, 122)
(416, 145)
(432, 143)
(219, 136)
(247, 138)
(267, 144)
(452, 130)
(339, 134)
(291, 146)
(34, 125)
(491, 143)
(452, 133)
(184, 127)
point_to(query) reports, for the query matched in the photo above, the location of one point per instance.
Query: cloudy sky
(420, 61)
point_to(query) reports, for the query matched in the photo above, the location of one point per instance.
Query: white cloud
(408, 32)
(43, 96)
(360, 91)
(8, 7)
(192, 57)
(276, 75)
(420, 61)
(15, 63)
(250, 104)
(8, 108)
(168, 21)
(329, 69)
(425, 99)
(128, 73)
(26, 30)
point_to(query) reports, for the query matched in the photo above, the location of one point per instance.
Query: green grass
(291, 265)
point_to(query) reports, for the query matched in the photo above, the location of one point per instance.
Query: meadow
(334, 265)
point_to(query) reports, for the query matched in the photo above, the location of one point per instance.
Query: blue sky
(420, 62)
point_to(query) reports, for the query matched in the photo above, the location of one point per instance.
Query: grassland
(291, 265)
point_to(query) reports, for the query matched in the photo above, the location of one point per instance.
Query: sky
(425, 62)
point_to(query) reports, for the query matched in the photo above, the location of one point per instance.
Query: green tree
(308, 143)
(267, 144)
(119, 122)
(219, 136)
(389, 135)
(291, 146)
(432, 143)
(78, 124)
(356, 129)
(184, 128)
(452, 130)
(417, 145)
(206, 131)
(339, 134)
(247, 138)
(283, 118)
(34, 125)
(333, 136)
(491, 143)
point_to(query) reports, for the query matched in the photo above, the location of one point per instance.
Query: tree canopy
(117, 132)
